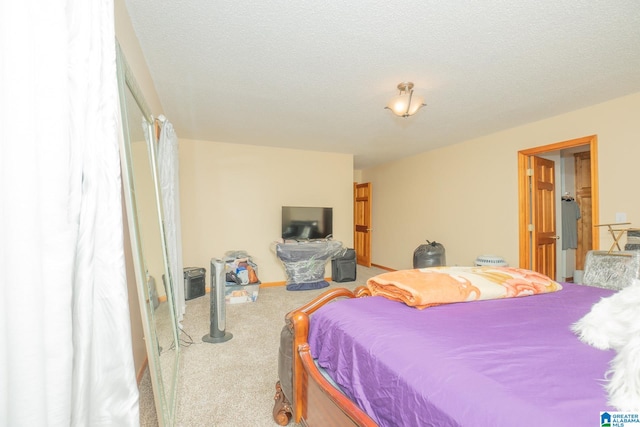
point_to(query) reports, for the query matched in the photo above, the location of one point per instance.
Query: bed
(368, 360)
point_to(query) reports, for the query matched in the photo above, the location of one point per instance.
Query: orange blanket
(426, 287)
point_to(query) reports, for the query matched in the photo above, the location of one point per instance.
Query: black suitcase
(343, 268)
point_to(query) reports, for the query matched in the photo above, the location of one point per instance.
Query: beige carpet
(232, 384)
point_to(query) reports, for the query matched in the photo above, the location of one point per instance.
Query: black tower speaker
(217, 312)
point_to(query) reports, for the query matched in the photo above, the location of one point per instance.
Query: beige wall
(135, 58)
(466, 196)
(231, 198)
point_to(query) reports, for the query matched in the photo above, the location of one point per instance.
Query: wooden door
(544, 236)
(583, 199)
(362, 223)
(526, 213)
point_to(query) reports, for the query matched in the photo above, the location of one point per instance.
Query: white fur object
(614, 323)
(623, 379)
(613, 320)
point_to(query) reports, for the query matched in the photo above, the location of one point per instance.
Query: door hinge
(529, 172)
(530, 227)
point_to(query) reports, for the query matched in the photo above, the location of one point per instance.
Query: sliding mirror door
(154, 281)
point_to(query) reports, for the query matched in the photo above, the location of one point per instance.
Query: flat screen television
(306, 223)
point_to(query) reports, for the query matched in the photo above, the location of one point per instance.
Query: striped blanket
(427, 287)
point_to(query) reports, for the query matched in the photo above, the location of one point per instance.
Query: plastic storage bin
(615, 270)
(238, 294)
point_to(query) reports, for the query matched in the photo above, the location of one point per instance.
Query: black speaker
(343, 268)
(194, 282)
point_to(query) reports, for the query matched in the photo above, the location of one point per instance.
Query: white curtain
(65, 357)
(168, 171)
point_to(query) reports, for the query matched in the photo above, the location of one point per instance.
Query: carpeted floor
(232, 384)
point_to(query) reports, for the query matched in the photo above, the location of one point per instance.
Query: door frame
(362, 232)
(524, 198)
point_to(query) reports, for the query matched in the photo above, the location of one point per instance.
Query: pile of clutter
(239, 269)
(633, 240)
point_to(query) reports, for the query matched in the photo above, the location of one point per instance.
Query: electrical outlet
(621, 217)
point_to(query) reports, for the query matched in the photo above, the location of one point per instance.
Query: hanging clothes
(168, 175)
(570, 217)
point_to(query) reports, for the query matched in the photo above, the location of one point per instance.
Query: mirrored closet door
(144, 214)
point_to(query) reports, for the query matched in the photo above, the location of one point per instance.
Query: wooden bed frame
(314, 402)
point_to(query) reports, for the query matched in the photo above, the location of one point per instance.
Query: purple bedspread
(477, 364)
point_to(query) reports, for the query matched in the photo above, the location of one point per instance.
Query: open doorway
(545, 175)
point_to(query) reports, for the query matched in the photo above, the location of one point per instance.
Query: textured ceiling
(316, 75)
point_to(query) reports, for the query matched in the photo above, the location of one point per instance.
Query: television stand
(304, 262)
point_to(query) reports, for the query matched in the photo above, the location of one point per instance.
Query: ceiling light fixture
(405, 104)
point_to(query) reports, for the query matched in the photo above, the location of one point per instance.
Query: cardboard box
(236, 294)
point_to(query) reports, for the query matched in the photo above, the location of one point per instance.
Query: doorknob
(556, 237)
